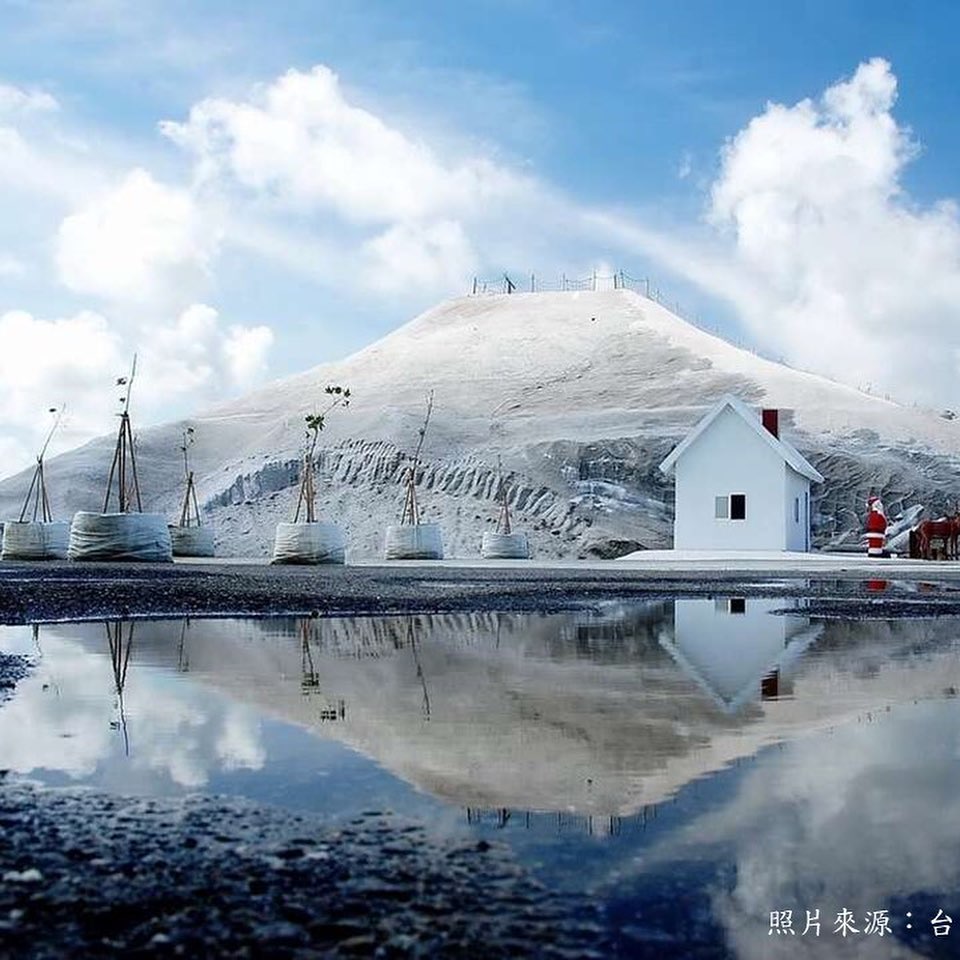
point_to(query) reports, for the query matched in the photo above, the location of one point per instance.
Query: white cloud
(194, 357)
(245, 349)
(141, 242)
(405, 211)
(146, 251)
(828, 260)
(429, 256)
(46, 362)
(76, 360)
(302, 141)
(20, 100)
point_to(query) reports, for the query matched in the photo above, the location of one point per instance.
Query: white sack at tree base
(35, 541)
(191, 541)
(420, 541)
(120, 536)
(308, 543)
(504, 546)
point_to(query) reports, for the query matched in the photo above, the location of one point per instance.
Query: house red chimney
(771, 420)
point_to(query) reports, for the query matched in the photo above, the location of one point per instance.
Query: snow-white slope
(583, 393)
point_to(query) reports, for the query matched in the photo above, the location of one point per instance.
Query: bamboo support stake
(26, 502)
(133, 467)
(189, 508)
(125, 450)
(47, 515)
(38, 484)
(503, 521)
(411, 510)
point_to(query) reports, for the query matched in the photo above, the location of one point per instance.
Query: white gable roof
(789, 454)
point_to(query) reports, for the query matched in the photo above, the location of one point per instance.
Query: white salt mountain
(582, 394)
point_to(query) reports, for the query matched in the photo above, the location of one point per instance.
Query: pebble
(23, 876)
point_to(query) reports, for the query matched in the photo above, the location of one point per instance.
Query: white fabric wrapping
(504, 546)
(191, 541)
(35, 541)
(421, 541)
(308, 543)
(120, 536)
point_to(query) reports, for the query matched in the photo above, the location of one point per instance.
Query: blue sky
(241, 190)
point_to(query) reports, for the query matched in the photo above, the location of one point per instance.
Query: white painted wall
(797, 532)
(728, 457)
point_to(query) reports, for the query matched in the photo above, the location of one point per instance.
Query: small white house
(739, 484)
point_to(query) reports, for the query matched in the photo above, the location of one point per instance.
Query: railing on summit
(535, 283)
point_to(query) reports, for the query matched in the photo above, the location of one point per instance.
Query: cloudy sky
(240, 190)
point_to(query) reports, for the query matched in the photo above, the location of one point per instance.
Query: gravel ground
(37, 592)
(12, 670)
(88, 875)
(85, 874)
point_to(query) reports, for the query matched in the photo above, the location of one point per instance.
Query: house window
(732, 507)
(723, 605)
(796, 509)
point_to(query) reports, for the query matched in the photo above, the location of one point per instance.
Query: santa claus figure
(876, 527)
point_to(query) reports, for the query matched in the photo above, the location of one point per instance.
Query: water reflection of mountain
(582, 714)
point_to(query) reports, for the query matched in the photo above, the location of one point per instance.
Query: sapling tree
(338, 397)
(124, 465)
(190, 509)
(503, 520)
(496, 430)
(37, 492)
(410, 516)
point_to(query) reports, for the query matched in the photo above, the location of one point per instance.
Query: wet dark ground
(84, 874)
(39, 592)
(88, 875)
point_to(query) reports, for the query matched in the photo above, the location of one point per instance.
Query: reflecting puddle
(696, 764)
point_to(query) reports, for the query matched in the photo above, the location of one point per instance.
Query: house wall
(796, 532)
(728, 457)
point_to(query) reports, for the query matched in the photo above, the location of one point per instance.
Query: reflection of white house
(736, 648)
(739, 485)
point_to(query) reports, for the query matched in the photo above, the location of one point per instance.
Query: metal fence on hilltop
(533, 283)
